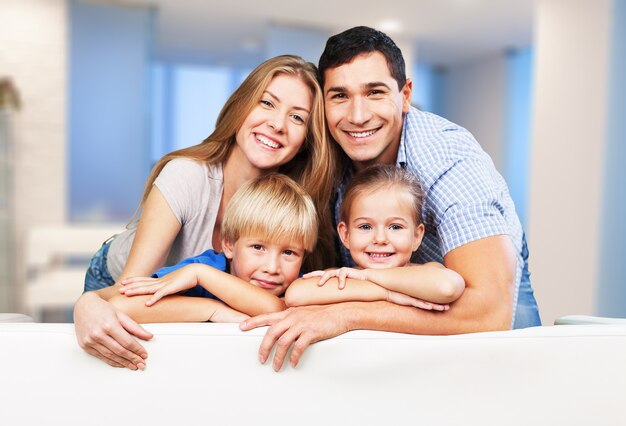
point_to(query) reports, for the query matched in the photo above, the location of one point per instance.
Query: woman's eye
(297, 118)
(266, 103)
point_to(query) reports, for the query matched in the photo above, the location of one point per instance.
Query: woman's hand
(174, 282)
(107, 333)
(341, 274)
(405, 300)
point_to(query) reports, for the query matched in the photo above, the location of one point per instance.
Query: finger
(143, 289)
(131, 280)
(111, 361)
(156, 297)
(284, 342)
(423, 305)
(272, 335)
(303, 342)
(135, 329)
(342, 279)
(325, 277)
(313, 274)
(260, 321)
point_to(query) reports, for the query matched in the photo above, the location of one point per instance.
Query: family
(323, 202)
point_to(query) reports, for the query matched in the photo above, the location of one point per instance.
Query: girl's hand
(403, 299)
(341, 274)
(174, 282)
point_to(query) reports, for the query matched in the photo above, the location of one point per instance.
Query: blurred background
(92, 93)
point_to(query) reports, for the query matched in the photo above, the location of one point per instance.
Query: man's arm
(487, 267)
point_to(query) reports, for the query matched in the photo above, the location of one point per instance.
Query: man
(470, 218)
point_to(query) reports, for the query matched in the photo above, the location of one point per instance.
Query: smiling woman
(274, 121)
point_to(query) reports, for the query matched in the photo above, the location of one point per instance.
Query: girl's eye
(365, 227)
(396, 227)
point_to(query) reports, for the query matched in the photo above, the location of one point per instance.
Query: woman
(273, 121)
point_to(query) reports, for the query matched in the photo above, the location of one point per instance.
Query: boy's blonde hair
(383, 176)
(274, 208)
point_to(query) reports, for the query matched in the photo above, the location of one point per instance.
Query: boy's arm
(235, 292)
(177, 309)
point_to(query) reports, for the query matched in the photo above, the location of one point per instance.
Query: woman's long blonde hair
(314, 167)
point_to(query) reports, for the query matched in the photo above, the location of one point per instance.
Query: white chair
(57, 258)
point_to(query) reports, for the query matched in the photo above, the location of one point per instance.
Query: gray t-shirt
(193, 190)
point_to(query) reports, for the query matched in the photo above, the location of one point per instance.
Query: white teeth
(362, 134)
(268, 142)
(380, 254)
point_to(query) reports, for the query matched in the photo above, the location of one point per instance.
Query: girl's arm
(306, 291)
(431, 281)
(177, 309)
(233, 291)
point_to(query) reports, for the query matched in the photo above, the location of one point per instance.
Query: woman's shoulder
(188, 168)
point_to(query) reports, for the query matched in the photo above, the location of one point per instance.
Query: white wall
(33, 52)
(474, 97)
(568, 144)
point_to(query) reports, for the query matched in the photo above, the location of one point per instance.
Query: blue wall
(612, 280)
(109, 99)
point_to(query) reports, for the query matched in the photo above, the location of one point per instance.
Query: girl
(381, 225)
(274, 121)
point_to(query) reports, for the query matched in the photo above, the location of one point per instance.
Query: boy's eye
(289, 252)
(257, 246)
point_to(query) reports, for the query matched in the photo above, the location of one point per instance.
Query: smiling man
(470, 219)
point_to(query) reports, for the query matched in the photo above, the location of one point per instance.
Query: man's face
(364, 109)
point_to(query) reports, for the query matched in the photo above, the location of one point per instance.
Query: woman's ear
(342, 230)
(419, 235)
(227, 248)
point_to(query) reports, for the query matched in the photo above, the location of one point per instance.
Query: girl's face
(381, 230)
(274, 131)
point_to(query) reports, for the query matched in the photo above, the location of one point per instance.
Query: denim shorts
(98, 275)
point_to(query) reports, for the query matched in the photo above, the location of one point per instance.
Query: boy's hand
(174, 282)
(341, 274)
(405, 300)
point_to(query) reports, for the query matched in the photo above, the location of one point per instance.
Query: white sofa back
(209, 374)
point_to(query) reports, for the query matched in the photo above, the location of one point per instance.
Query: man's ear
(342, 230)
(227, 248)
(419, 235)
(406, 91)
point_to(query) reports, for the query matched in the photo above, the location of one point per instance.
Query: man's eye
(339, 96)
(376, 92)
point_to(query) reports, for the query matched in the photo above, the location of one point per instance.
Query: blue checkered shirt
(466, 198)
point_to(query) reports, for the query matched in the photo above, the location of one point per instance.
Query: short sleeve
(465, 204)
(179, 182)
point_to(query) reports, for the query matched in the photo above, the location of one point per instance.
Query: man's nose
(359, 111)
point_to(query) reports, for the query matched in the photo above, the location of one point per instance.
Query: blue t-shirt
(209, 257)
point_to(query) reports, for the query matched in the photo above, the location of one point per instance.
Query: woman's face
(275, 129)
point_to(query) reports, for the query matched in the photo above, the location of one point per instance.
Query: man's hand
(297, 328)
(107, 333)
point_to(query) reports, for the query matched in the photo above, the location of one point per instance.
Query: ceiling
(442, 32)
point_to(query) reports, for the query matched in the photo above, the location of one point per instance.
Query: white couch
(209, 374)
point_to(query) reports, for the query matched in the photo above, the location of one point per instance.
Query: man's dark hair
(344, 47)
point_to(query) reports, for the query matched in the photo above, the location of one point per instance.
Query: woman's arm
(233, 291)
(177, 309)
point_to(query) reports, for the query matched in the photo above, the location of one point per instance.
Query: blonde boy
(270, 224)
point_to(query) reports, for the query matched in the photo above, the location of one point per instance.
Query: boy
(269, 225)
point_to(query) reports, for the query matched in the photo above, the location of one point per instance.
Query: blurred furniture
(7, 203)
(587, 319)
(11, 317)
(210, 374)
(57, 258)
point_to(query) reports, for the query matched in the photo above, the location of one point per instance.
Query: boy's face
(381, 230)
(269, 265)
(364, 109)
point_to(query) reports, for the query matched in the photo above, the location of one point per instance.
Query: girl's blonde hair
(383, 177)
(314, 167)
(273, 208)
